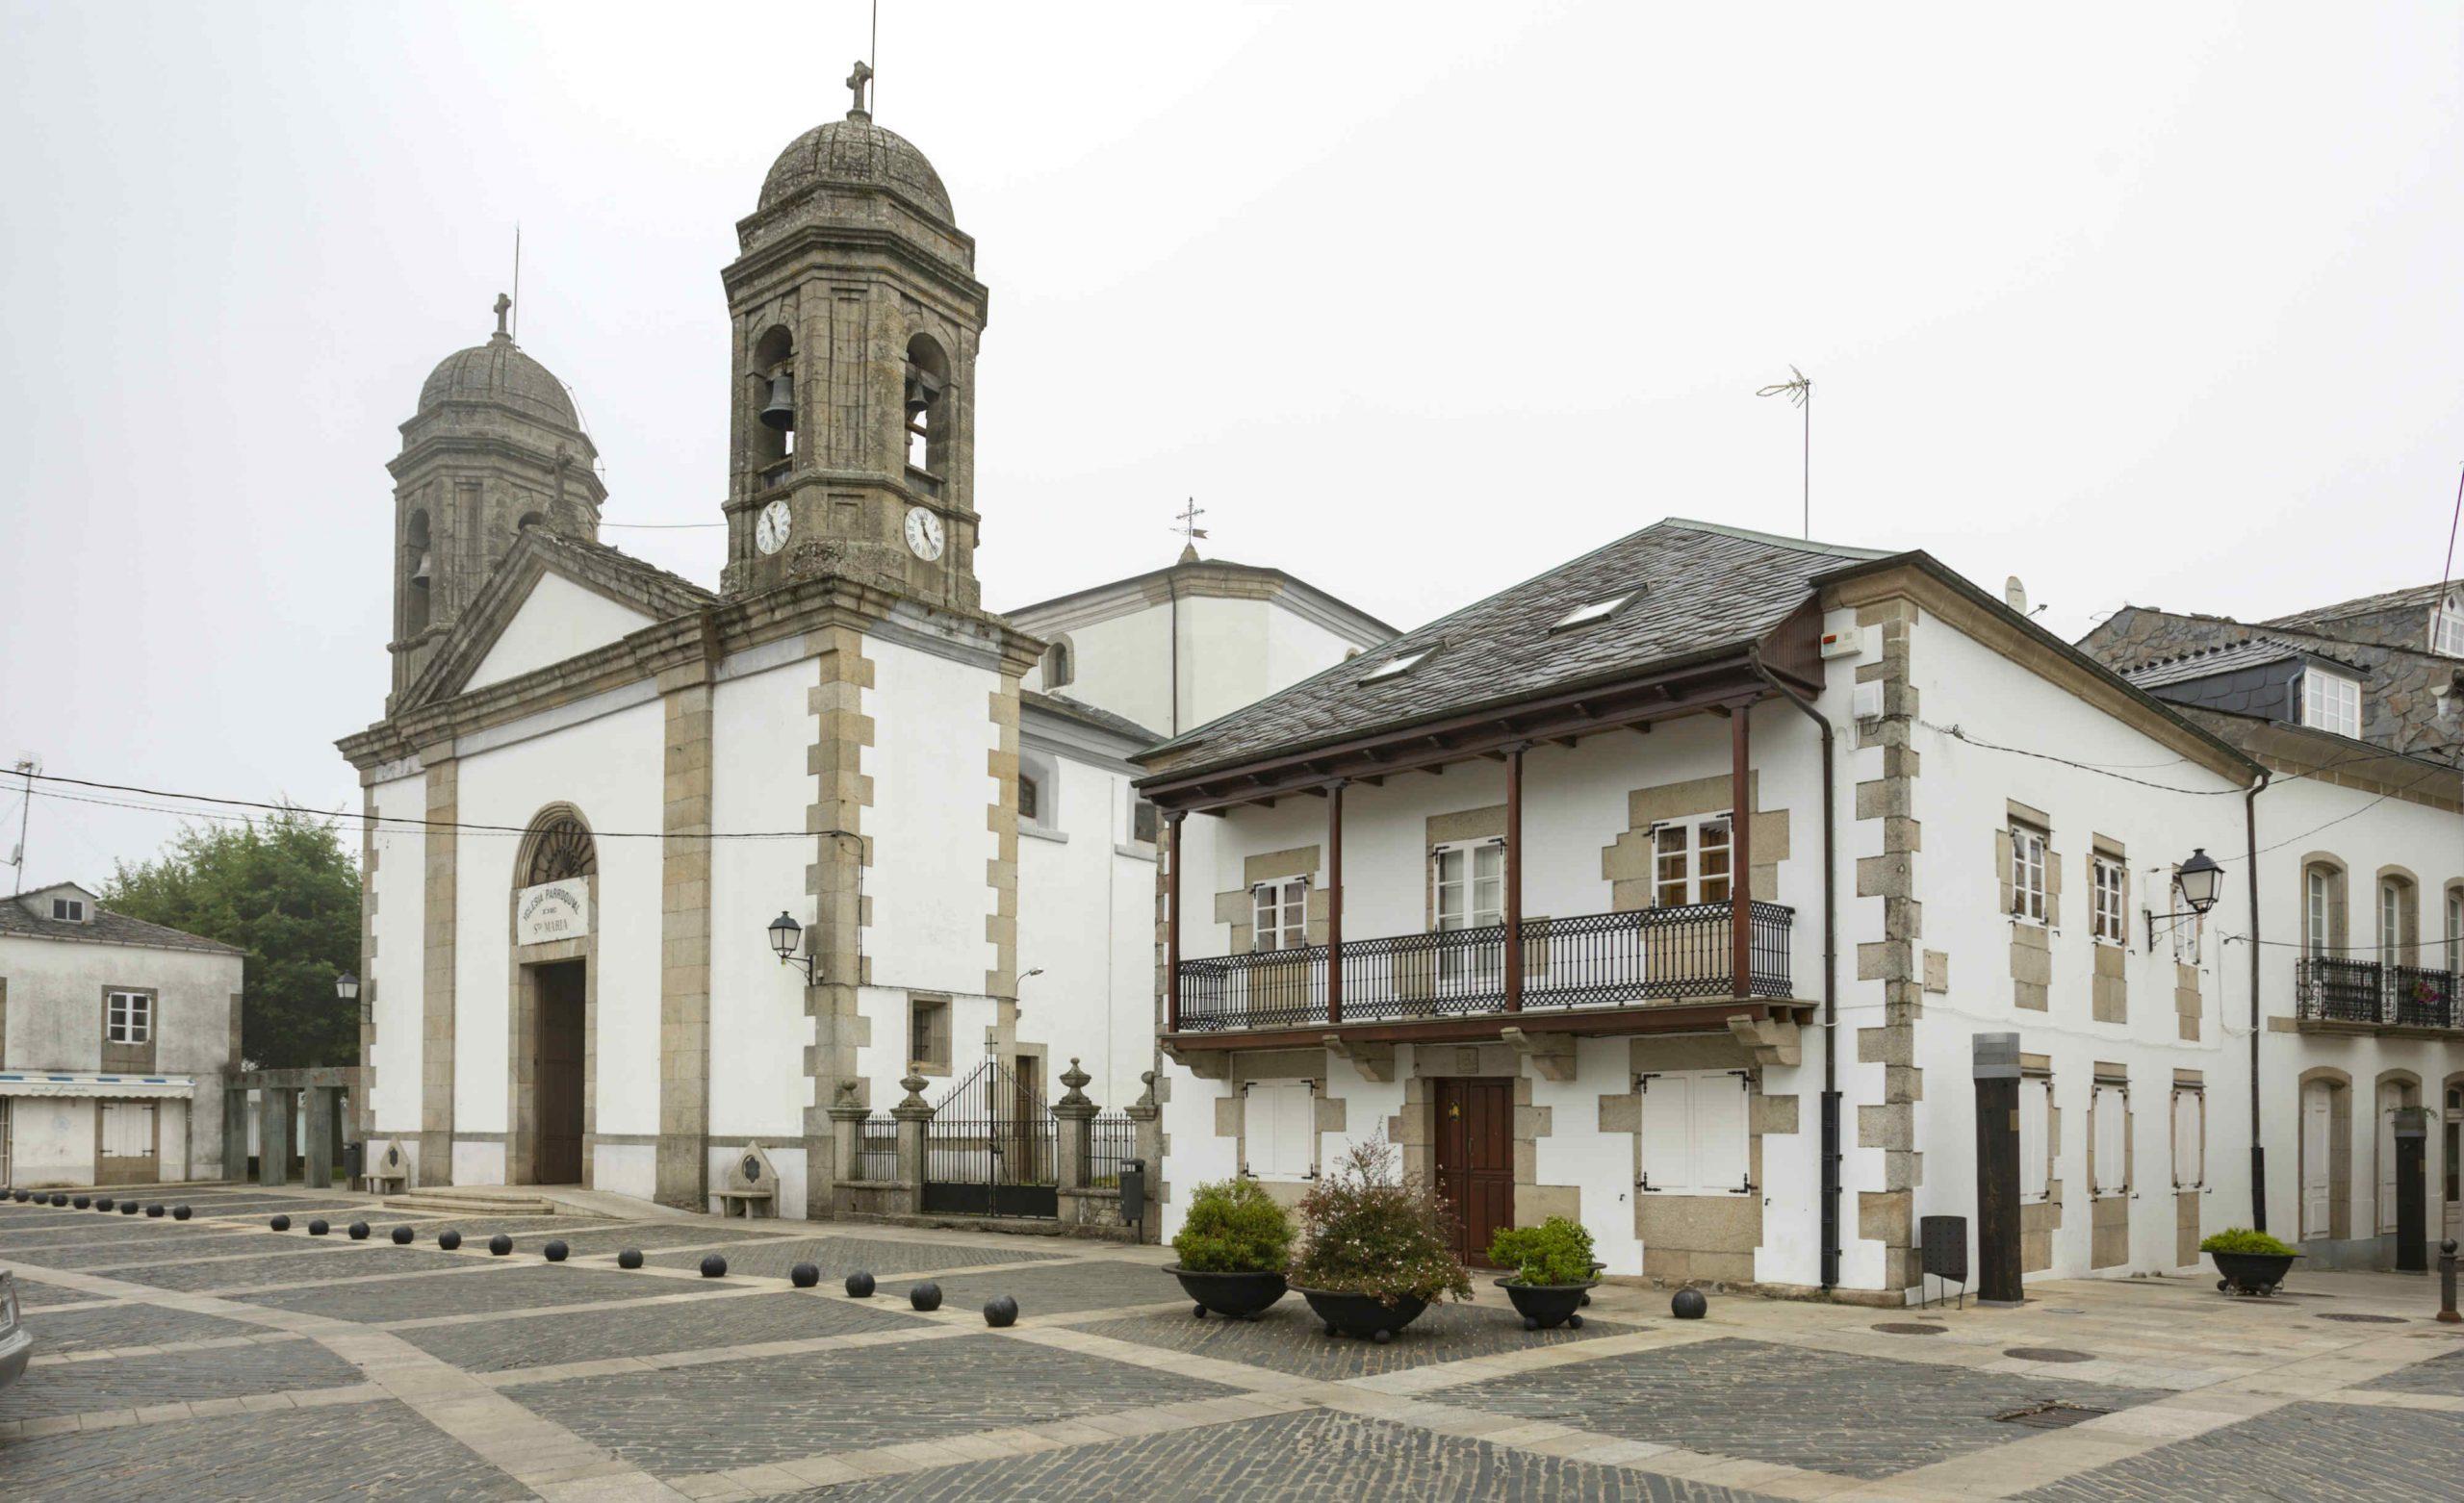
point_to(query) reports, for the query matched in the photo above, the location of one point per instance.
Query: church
(652, 869)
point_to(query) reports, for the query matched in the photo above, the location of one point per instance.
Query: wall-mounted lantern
(2197, 883)
(784, 933)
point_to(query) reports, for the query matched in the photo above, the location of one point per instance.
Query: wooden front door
(125, 1140)
(559, 1159)
(1476, 1160)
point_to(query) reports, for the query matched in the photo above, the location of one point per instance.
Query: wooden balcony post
(1335, 903)
(1740, 857)
(1172, 921)
(1514, 878)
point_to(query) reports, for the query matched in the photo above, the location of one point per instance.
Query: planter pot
(1237, 1296)
(1363, 1315)
(1545, 1307)
(2253, 1273)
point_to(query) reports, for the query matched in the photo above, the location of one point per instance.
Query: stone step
(472, 1205)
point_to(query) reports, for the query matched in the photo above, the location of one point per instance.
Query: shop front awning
(71, 1082)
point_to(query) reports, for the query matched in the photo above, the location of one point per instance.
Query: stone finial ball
(859, 1285)
(499, 1245)
(181, 1212)
(925, 1296)
(448, 1240)
(804, 1276)
(714, 1266)
(317, 1226)
(1688, 1305)
(280, 1223)
(358, 1231)
(629, 1257)
(554, 1252)
(101, 1203)
(401, 1237)
(1000, 1310)
(154, 1210)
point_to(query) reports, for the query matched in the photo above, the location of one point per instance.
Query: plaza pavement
(217, 1359)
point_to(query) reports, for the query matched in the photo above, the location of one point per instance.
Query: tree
(284, 889)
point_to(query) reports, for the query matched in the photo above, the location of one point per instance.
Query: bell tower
(855, 315)
(494, 447)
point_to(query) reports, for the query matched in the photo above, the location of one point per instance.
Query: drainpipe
(2258, 1020)
(1829, 1154)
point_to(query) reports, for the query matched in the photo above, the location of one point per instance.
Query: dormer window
(69, 910)
(1398, 665)
(2447, 626)
(1596, 611)
(2331, 701)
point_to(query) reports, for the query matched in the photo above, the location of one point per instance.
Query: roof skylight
(1396, 667)
(1596, 610)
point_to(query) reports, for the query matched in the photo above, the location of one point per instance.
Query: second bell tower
(855, 315)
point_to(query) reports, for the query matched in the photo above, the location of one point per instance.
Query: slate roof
(105, 928)
(2424, 595)
(1080, 710)
(2223, 658)
(1703, 587)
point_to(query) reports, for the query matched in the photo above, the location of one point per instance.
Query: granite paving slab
(590, 1334)
(35, 1294)
(1856, 1416)
(840, 1255)
(490, 1286)
(1314, 1457)
(775, 1409)
(58, 1332)
(289, 1265)
(381, 1450)
(1289, 1338)
(1061, 1289)
(135, 1381)
(2440, 1375)
(643, 1234)
(118, 1231)
(2319, 1453)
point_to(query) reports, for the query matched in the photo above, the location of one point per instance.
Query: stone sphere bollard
(317, 1226)
(499, 1245)
(629, 1257)
(859, 1285)
(81, 1202)
(358, 1231)
(280, 1223)
(102, 1203)
(714, 1266)
(925, 1296)
(1688, 1305)
(804, 1276)
(448, 1240)
(21, 1196)
(180, 1212)
(401, 1237)
(58, 1199)
(128, 1207)
(1000, 1310)
(154, 1210)
(554, 1252)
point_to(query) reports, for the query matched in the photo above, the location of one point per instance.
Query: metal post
(1740, 858)
(1996, 1070)
(1335, 903)
(1172, 922)
(1513, 879)
(2446, 1283)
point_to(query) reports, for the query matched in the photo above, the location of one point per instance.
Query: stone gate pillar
(317, 1152)
(1149, 1117)
(273, 1134)
(1073, 1121)
(915, 1114)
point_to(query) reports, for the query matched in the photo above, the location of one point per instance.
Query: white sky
(2157, 303)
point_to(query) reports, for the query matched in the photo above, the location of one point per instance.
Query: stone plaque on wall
(552, 911)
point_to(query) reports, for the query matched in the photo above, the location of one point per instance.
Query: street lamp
(2198, 882)
(783, 931)
(346, 986)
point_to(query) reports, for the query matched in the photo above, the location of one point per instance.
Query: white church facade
(603, 798)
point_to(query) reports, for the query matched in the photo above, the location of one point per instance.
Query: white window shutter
(2189, 1145)
(1279, 1122)
(1298, 1131)
(1667, 1117)
(2035, 1168)
(2389, 1099)
(2112, 1111)
(1719, 1116)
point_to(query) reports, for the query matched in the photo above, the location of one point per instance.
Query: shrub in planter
(1551, 1267)
(1233, 1246)
(1375, 1250)
(2251, 1262)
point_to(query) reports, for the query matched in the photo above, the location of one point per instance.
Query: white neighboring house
(115, 1037)
(1538, 971)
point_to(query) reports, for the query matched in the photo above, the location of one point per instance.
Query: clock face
(770, 527)
(924, 532)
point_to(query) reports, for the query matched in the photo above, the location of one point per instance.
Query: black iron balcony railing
(2330, 988)
(1596, 960)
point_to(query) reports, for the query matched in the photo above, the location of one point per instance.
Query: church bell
(781, 413)
(421, 571)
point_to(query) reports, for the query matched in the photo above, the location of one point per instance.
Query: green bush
(1369, 1233)
(1234, 1227)
(2242, 1239)
(1556, 1251)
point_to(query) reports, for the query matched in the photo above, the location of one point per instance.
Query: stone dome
(498, 372)
(856, 153)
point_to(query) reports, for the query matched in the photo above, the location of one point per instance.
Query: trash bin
(354, 1162)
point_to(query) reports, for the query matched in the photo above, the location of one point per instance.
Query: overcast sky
(2145, 303)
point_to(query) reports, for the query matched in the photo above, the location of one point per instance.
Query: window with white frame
(129, 1018)
(2318, 895)
(2036, 1137)
(2109, 1130)
(2190, 1137)
(2397, 934)
(2112, 886)
(2027, 872)
(2331, 701)
(70, 910)
(1469, 883)
(2447, 626)
(2456, 932)
(1690, 862)
(1279, 1129)
(1281, 910)
(1694, 1137)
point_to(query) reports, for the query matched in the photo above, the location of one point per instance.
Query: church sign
(552, 911)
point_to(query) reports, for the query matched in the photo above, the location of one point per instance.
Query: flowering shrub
(2242, 1239)
(1367, 1233)
(1556, 1251)
(1234, 1227)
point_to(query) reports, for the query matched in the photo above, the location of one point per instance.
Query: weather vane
(1185, 523)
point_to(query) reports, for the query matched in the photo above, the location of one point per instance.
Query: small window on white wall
(1694, 1137)
(1281, 910)
(2331, 701)
(1690, 862)
(2027, 873)
(2108, 1124)
(2112, 927)
(1279, 1129)
(2190, 1137)
(2036, 1137)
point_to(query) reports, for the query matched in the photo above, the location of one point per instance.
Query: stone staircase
(478, 1201)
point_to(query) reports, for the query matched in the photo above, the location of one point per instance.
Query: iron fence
(2418, 997)
(991, 1149)
(1111, 1141)
(2334, 989)
(876, 1150)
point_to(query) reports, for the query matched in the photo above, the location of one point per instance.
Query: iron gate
(991, 1149)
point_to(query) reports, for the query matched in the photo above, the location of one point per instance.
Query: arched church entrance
(555, 988)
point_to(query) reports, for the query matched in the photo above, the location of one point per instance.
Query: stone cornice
(790, 255)
(450, 445)
(2326, 757)
(1208, 579)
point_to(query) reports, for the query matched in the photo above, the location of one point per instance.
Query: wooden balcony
(2333, 994)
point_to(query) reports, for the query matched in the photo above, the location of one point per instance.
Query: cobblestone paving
(381, 1450)
(646, 1237)
(118, 1229)
(1309, 1458)
(1289, 1338)
(2440, 1375)
(774, 1408)
(2305, 1451)
(286, 1263)
(114, 1325)
(35, 1294)
(1059, 1290)
(174, 1377)
(488, 1286)
(837, 1257)
(589, 1335)
(1857, 1416)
